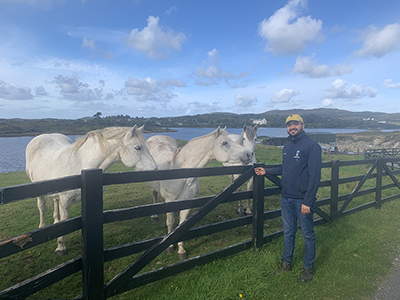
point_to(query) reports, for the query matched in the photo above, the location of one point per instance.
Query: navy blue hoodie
(301, 169)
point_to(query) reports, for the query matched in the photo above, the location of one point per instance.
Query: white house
(260, 122)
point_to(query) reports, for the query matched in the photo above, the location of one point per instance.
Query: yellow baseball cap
(294, 118)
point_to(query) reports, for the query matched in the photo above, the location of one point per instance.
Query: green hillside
(314, 118)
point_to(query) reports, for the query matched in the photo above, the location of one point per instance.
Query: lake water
(12, 149)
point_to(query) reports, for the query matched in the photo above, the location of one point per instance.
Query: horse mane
(175, 154)
(103, 135)
(194, 140)
(240, 140)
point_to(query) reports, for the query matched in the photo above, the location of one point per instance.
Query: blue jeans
(291, 212)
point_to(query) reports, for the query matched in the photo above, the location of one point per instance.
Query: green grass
(353, 254)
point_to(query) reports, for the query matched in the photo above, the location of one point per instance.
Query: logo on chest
(297, 155)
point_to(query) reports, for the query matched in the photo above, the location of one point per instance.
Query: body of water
(12, 149)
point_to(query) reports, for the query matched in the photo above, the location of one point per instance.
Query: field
(351, 260)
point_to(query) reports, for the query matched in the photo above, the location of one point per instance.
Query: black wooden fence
(91, 182)
(383, 153)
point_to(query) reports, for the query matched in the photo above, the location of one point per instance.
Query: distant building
(260, 122)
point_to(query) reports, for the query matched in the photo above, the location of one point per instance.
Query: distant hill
(313, 118)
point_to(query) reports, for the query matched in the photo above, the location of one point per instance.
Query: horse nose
(249, 156)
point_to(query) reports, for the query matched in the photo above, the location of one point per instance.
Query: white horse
(247, 139)
(197, 153)
(50, 156)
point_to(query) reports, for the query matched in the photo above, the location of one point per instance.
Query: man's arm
(314, 174)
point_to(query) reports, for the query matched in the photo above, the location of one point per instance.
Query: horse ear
(217, 131)
(244, 127)
(255, 128)
(132, 131)
(140, 128)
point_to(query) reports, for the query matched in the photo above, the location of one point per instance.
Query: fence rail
(383, 153)
(93, 217)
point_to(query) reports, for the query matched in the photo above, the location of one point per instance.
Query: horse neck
(93, 156)
(196, 153)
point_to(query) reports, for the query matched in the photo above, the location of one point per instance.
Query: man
(301, 174)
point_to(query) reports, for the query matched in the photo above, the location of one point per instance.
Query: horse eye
(138, 148)
(224, 143)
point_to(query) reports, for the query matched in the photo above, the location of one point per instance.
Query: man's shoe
(307, 275)
(283, 268)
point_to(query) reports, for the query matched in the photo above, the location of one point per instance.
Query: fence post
(334, 189)
(378, 193)
(258, 209)
(92, 234)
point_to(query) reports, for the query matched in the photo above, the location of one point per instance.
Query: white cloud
(155, 41)
(86, 43)
(341, 69)
(284, 96)
(72, 89)
(14, 92)
(338, 90)
(171, 9)
(389, 84)
(245, 101)
(197, 107)
(90, 44)
(212, 75)
(213, 56)
(380, 42)
(41, 91)
(152, 90)
(287, 32)
(328, 103)
(310, 68)
(147, 107)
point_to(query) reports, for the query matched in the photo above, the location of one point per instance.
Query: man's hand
(305, 210)
(259, 171)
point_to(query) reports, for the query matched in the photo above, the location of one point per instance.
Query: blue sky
(158, 58)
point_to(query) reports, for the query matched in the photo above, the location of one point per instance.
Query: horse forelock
(251, 134)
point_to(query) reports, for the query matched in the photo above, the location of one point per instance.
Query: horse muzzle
(247, 158)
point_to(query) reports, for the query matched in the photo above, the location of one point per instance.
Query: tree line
(316, 118)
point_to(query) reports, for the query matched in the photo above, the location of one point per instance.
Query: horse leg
(41, 204)
(181, 251)
(240, 207)
(170, 225)
(249, 187)
(64, 206)
(241, 212)
(56, 212)
(154, 218)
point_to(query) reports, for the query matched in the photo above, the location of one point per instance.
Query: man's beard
(295, 132)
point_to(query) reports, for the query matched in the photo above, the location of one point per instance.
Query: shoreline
(28, 134)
